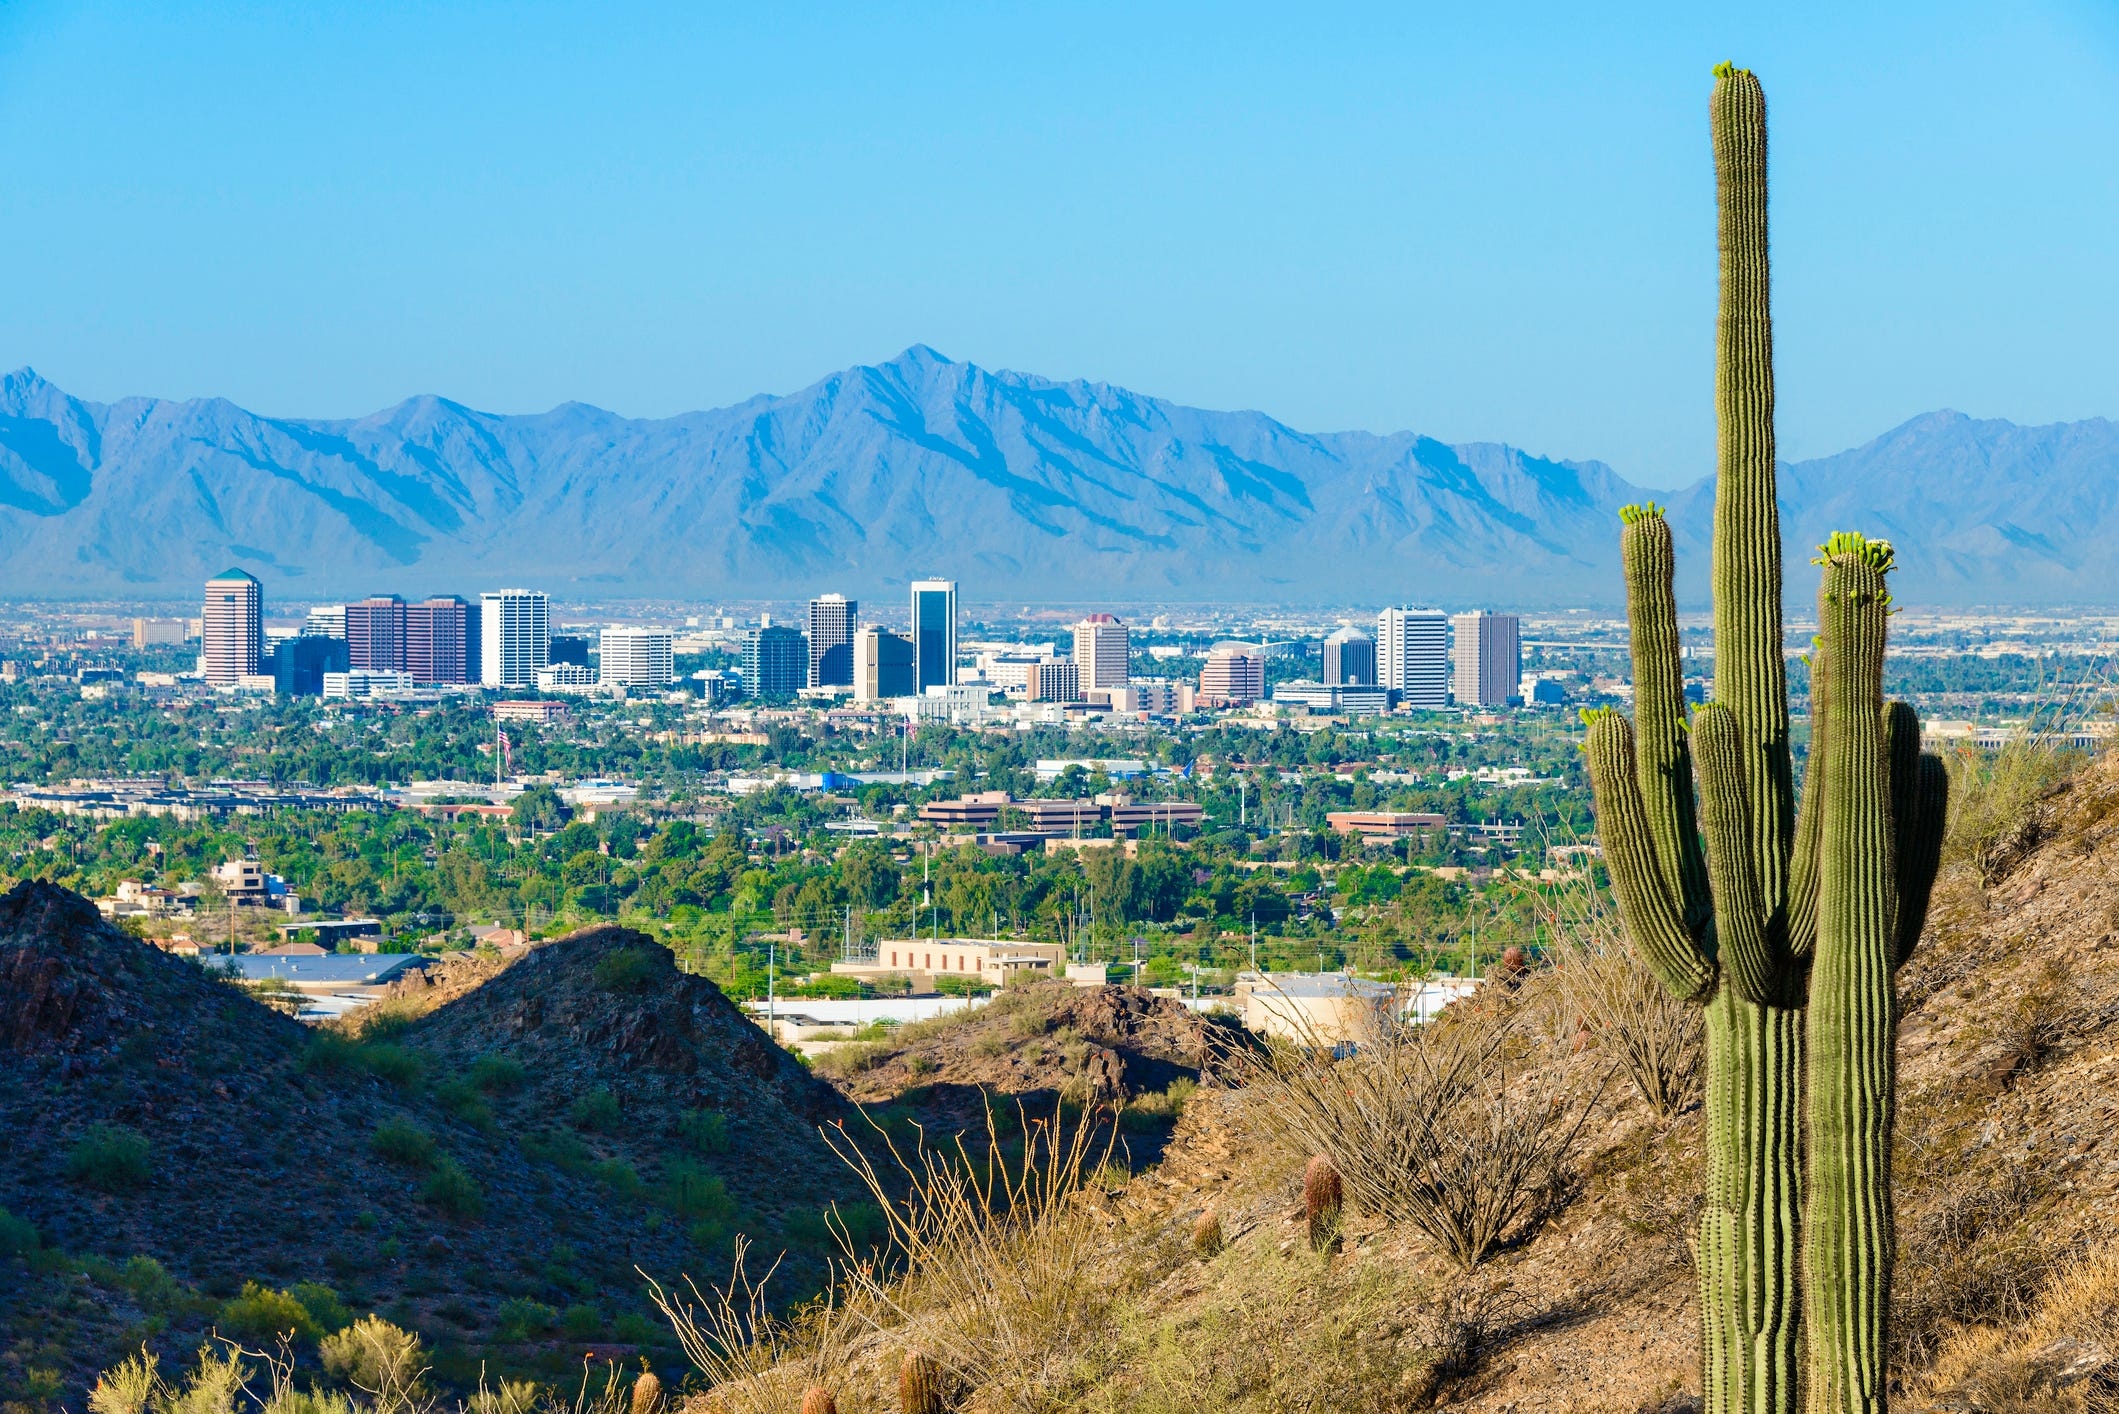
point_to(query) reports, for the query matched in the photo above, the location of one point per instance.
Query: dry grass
(2000, 801)
(2064, 1359)
(1456, 1128)
(754, 1361)
(992, 1268)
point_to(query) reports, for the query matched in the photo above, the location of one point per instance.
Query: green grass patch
(706, 1131)
(453, 1192)
(401, 1142)
(597, 1112)
(630, 969)
(497, 1075)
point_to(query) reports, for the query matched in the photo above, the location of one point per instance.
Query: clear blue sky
(1388, 216)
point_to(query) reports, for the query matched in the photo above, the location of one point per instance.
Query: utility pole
(772, 1013)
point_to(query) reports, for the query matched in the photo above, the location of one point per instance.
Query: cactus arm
(1662, 763)
(1920, 791)
(1802, 868)
(1750, 672)
(1647, 905)
(1739, 914)
(1852, 1021)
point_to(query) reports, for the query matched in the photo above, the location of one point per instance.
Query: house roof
(360, 970)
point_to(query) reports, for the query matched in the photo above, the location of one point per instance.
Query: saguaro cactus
(1721, 936)
(1776, 911)
(1879, 839)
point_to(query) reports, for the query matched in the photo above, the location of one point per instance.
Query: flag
(507, 751)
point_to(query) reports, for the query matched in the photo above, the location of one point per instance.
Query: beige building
(1486, 658)
(990, 960)
(1103, 652)
(1315, 1008)
(1054, 680)
(235, 627)
(1234, 675)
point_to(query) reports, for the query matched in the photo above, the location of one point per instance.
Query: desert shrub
(383, 1360)
(453, 1192)
(597, 1111)
(1440, 1126)
(149, 1282)
(581, 1322)
(993, 1043)
(918, 1066)
(704, 1130)
(556, 1147)
(632, 969)
(619, 1176)
(322, 1304)
(135, 1386)
(1978, 1251)
(1609, 991)
(393, 1063)
(691, 1192)
(1155, 1111)
(462, 1099)
(506, 1397)
(260, 1314)
(851, 1058)
(1998, 802)
(400, 1141)
(110, 1157)
(18, 1236)
(333, 1052)
(497, 1074)
(521, 1318)
(755, 1360)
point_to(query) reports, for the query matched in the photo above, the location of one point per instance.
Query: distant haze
(1021, 488)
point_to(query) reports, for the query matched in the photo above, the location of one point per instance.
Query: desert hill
(488, 1173)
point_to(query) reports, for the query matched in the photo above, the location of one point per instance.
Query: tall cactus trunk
(1853, 999)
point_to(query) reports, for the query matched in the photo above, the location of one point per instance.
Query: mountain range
(1019, 487)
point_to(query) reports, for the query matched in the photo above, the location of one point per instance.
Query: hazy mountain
(1019, 487)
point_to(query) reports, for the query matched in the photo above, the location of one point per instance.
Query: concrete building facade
(234, 635)
(1349, 659)
(636, 657)
(1486, 658)
(833, 621)
(1234, 675)
(1412, 656)
(515, 637)
(1103, 652)
(882, 665)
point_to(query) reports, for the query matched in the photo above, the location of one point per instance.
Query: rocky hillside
(488, 1174)
(1116, 1048)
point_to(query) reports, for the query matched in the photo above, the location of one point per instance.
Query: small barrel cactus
(1323, 1195)
(647, 1393)
(922, 1385)
(1206, 1235)
(817, 1400)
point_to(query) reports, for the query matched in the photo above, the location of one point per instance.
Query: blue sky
(1493, 226)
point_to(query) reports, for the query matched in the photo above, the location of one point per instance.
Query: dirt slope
(2007, 1163)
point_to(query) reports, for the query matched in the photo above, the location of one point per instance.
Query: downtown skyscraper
(933, 633)
(833, 621)
(1412, 656)
(234, 627)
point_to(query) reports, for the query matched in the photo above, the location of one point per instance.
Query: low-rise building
(1315, 1008)
(1386, 826)
(990, 960)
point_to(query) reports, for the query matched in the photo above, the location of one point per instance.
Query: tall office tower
(1412, 656)
(933, 633)
(326, 621)
(437, 640)
(1350, 659)
(636, 657)
(1103, 652)
(1234, 675)
(775, 662)
(515, 637)
(1486, 659)
(882, 665)
(832, 620)
(234, 626)
(375, 634)
(299, 664)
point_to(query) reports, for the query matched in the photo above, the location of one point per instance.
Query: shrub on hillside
(691, 1192)
(704, 1130)
(454, 1192)
(1998, 811)
(633, 969)
(383, 1359)
(18, 1236)
(497, 1075)
(110, 1157)
(260, 1314)
(521, 1318)
(597, 1112)
(399, 1141)
(582, 1322)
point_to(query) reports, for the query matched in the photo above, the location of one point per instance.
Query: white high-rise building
(933, 633)
(1412, 656)
(833, 618)
(1103, 652)
(326, 621)
(1486, 659)
(515, 637)
(636, 657)
(234, 627)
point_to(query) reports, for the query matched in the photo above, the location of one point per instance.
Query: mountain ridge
(1020, 486)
